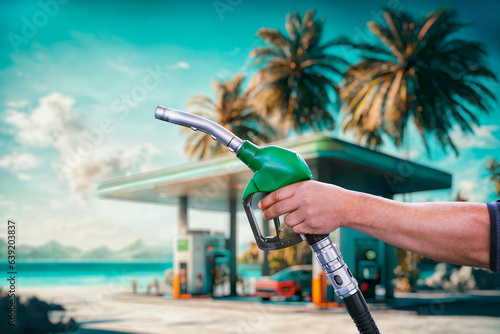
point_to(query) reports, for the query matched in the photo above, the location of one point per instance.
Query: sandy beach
(108, 309)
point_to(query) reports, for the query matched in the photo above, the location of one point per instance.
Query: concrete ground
(107, 309)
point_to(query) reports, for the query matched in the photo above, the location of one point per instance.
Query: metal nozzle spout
(160, 113)
(194, 122)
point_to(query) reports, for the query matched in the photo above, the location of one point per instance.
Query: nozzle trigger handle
(266, 242)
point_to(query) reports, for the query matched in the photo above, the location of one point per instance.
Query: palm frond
(294, 81)
(232, 109)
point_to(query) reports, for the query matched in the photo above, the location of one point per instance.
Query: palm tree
(417, 71)
(493, 167)
(293, 81)
(233, 110)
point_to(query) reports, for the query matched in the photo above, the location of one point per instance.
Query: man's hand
(311, 207)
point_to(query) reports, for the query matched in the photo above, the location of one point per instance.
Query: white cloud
(224, 74)
(27, 208)
(104, 161)
(448, 161)
(84, 232)
(471, 181)
(50, 124)
(55, 204)
(6, 203)
(466, 186)
(93, 224)
(127, 70)
(181, 64)
(475, 190)
(83, 157)
(19, 161)
(482, 138)
(17, 104)
(24, 177)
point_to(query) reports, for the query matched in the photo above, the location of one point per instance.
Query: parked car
(287, 283)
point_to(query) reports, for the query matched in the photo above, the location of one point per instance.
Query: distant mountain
(102, 252)
(55, 251)
(52, 250)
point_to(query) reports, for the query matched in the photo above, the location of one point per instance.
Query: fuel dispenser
(367, 266)
(198, 257)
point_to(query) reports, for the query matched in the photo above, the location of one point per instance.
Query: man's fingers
(276, 196)
(301, 229)
(280, 208)
(297, 229)
(293, 218)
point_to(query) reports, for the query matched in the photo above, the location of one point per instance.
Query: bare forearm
(456, 232)
(452, 232)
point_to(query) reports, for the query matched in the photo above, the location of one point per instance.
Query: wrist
(352, 205)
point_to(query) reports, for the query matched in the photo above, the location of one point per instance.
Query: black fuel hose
(343, 282)
(360, 313)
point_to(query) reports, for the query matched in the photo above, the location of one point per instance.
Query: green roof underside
(207, 183)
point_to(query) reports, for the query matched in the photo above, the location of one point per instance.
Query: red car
(289, 282)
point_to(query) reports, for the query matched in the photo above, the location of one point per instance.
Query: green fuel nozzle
(274, 167)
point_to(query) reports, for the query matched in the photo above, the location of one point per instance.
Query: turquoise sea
(88, 273)
(99, 273)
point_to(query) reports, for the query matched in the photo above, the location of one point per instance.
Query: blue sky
(79, 72)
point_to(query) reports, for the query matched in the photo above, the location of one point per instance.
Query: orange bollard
(319, 286)
(176, 287)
